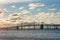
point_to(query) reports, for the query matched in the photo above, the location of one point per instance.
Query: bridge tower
(42, 25)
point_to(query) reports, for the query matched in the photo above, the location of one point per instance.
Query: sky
(14, 12)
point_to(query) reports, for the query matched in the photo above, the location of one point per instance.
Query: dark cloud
(14, 14)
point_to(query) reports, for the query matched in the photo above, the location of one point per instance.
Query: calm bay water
(29, 34)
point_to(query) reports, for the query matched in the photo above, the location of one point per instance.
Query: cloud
(5, 10)
(52, 9)
(16, 18)
(14, 15)
(25, 12)
(28, 18)
(13, 19)
(13, 1)
(21, 8)
(46, 17)
(36, 5)
(33, 6)
(1, 12)
(4, 23)
(49, 17)
(13, 6)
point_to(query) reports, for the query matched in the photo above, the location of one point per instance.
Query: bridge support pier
(56, 27)
(17, 27)
(41, 26)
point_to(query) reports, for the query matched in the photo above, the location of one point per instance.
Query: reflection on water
(30, 34)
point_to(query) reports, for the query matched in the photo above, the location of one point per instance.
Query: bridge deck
(41, 26)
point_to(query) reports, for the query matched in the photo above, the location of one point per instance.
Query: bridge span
(36, 26)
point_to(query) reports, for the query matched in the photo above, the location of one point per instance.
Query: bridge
(34, 26)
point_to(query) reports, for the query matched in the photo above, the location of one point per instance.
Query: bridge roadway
(41, 26)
